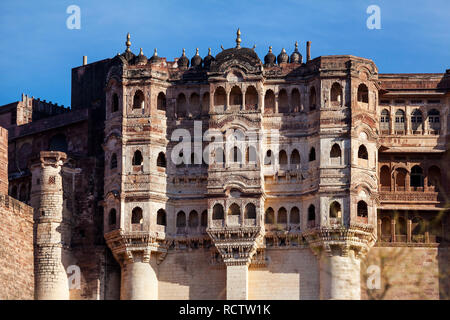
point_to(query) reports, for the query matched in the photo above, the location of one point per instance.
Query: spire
(296, 46)
(196, 52)
(238, 39)
(141, 53)
(270, 49)
(184, 53)
(155, 53)
(209, 51)
(128, 42)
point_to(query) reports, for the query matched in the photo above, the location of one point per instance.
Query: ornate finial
(238, 38)
(221, 46)
(196, 52)
(155, 53)
(184, 53)
(128, 42)
(209, 51)
(283, 50)
(270, 49)
(296, 46)
(141, 53)
(254, 47)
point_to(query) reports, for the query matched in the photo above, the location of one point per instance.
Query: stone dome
(270, 58)
(208, 59)
(155, 57)
(296, 57)
(283, 57)
(196, 60)
(141, 58)
(183, 61)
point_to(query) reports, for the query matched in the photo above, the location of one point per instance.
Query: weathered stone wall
(3, 161)
(407, 273)
(16, 250)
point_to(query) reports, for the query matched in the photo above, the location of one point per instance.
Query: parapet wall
(3, 161)
(16, 250)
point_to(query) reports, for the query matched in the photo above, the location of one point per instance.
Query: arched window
(136, 216)
(220, 155)
(384, 121)
(416, 120)
(161, 102)
(294, 216)
(112, 217)
(58, 143)
(283, 101)
(269, 102)
(250, 156)
(416, 177)
(161, 217)
(295, 157)
(181, 106)
(204, 218)
(113, 163)
(312, 99)
(336, 94)
(138, 100)
(205, 103)
(234, 210)
(385, 178)
(400, 121)
(335, 210)
(195, 109)
(434, 120)
(250, 211)
(312, 154)
(115, 103)
(312, 213)
(295, 100)
(269, 217)
(362, 209)
(137, 158)
(161, 160)
(251, 98)
(400, 179)
(386, 227)
(363, 93)
(282, 216)
(362, 152)
(434, 177)
(335, 154)
(218, 213)
(220, 97)
(400, 226)
(193, 219)
(235, 155)
(181, 219)
(282, 158)
(236, 96)
(268, 159)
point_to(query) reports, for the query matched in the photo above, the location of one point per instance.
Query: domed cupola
(196, 60)
(155, 58)
(296, 56)
(208, 59)
(183, 61)
(270, 59)
(283, 57)
(141, 58)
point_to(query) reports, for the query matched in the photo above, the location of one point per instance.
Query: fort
(350, 169)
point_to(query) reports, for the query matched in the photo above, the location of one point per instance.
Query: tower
(51, 281)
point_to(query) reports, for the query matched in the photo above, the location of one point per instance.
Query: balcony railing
(217, 223)
(413, 196)
(233, 220)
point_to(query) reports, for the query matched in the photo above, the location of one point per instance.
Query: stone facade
(229, 177)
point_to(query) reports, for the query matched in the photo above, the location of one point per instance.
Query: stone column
(51, 281)
(339, 276)
(139, 281)
(408, 230)
(237, 282)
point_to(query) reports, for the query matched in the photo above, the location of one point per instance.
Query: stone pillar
(51, 281)
(393, 239)
(139, 281)
(237, 282)
(408, 230)
(339, 277)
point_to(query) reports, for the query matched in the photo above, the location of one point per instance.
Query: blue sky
(38, 51)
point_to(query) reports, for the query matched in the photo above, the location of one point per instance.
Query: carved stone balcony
(409, 196)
